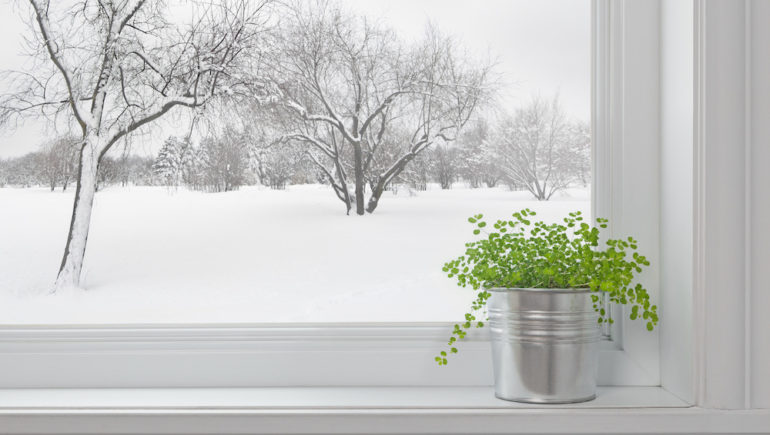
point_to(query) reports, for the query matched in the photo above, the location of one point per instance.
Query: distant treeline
(55, 165)
(537, 150)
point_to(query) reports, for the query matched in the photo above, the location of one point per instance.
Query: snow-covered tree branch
(349, 82)
(541, 150)
(118, 66)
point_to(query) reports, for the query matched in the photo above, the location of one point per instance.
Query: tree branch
(41, 16)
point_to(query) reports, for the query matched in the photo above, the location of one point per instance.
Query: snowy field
(250, 256)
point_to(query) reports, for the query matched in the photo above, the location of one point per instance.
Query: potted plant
(541, 286)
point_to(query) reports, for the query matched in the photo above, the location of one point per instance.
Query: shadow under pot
(544, 344)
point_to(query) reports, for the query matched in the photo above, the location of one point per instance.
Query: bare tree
(445, 165)
(108, 172)
(117, 66)
(70, 158)
(536, 149)
(278, 164)
(225, 161)
(275, 161)
(478, 163)
(417, 174)
(350, 84)
(3, 173)
(50, 164)
(55, 161)
(134, 170)
(22, 171)
(580, 142)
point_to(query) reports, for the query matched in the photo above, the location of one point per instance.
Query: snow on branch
(120, 65)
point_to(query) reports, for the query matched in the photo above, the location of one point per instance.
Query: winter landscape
(245, 161)
(276, 256)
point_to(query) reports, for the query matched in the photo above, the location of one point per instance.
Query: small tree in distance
(537, 148)
(225, 161)
(168, 166)
(57, 161)
(278, 164)
(445, 165)
(477, 161)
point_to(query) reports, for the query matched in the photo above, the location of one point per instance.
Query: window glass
(329, 177)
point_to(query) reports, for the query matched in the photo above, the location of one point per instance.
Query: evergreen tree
(168, 165)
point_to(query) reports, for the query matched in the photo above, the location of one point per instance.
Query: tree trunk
(343, 186)
(374, 200)
(360, 182)
(74, 251)
(386, 178)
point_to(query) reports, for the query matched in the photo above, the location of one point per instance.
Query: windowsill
(355, 410)
(296, 398)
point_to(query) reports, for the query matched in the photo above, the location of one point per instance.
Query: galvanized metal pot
(544, 344)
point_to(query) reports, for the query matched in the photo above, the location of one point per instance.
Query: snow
(252, 256)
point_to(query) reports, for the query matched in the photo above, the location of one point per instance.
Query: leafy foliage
(522, 253)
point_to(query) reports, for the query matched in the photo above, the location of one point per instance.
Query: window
(645, 75)
(241, 214)
(257, 349)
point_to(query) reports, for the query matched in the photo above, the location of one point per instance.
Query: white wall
(720, 289)
(731, 208)
(676, 190)
(759, 202)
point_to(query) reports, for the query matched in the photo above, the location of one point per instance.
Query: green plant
(521, 253)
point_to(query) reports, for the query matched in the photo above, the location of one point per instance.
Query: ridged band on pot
(544, 344)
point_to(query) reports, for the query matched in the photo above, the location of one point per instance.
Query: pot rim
(540, 290)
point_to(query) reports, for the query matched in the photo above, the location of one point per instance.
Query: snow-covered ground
(253, 256)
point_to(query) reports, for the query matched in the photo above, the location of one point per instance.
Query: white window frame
(714, 330)
(625, 122)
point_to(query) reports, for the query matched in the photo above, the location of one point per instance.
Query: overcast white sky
(542, 47)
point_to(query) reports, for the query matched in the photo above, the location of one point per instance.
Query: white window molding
(720, 204)
(448, 410)
(758, 211)
(714, 354)
(730, 174)
(625, 122)
(256, 355)
(676, 201)
(348, 355)
(626, 129)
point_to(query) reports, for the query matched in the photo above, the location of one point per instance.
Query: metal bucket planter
(544, 344)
